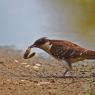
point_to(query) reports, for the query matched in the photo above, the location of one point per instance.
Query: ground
(38, 76)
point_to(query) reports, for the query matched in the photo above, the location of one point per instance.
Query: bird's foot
(64, 74)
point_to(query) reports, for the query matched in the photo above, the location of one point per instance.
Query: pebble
(43, 83)
(16, 61)
(24, 63)
(38, 65)
(22, 80)
(27, 66)
(35, 67)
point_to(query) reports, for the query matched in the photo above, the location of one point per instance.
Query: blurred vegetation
(84, 14)
(80, 12)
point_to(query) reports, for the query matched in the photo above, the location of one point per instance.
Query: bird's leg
(68, 67)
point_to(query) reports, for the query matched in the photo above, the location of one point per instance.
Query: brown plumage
(64, 51)
(70, 51)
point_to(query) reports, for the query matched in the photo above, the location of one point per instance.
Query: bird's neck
(46, 50)
(46, 47)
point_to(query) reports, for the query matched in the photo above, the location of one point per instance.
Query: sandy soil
(37, 76)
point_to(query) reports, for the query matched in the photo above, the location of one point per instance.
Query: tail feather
(90, 54)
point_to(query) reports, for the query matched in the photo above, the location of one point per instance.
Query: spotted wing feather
(69, 51)
(63, 52)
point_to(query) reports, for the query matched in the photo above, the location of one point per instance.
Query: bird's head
(42, 43)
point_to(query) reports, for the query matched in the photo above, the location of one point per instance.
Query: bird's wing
(65, 43)
(65, 49)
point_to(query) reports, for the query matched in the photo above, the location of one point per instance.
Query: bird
(64, 51)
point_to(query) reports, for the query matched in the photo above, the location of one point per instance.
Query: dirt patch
(39, 77)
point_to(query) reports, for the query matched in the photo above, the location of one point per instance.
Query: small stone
(27, 66)
(16, 61)
(35, 67)
(38, 65)
(43, 83)
(22, 80)
(24, 63)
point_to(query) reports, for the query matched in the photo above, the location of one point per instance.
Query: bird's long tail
(90, 54)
